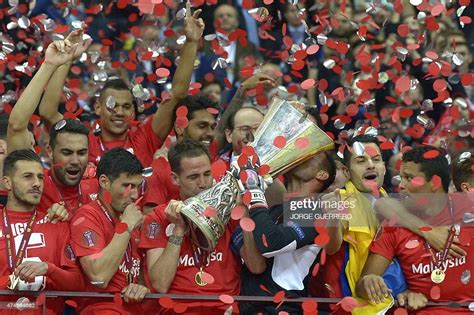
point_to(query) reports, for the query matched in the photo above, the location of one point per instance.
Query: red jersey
(417, 265)
(47, 243)
(222, 264)
(73, 197)
(140, 140)
(160, 187)
(91, 232)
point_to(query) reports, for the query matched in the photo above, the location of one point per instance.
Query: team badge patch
(153, 229)
(70, 253)
(89, 238)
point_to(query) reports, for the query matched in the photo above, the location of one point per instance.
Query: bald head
(226, 18)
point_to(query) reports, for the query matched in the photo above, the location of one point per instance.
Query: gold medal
(438, 275)
(198, 278)
(129, 277)
(12, 282)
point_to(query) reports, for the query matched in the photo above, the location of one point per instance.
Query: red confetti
(439, 85)
(417, 181)
(121, 228)
(182, 111)
(349, 303)
(263, 170)
(219, 169)
(403, 30)
(315, 270)
(402, 84)
(78, 221)
(207, 278)
(210, 212)
(309, 306)
(425, 228)
(279, 142)
(180, 308)
(307, 84)
(322, 239)
(162, 72)
(71, 303)
(246, 198)
(412, 244)
(301, 143)
(213, 111)
(435, 292)
(181, 122)
(242, 160)
(400, 311)
(226, 299)
(264, 240)
(248, 150)
(130, 66)
(247, 224)
(279, 296)
(238, 212)
(431, 154)
(311, 50)
(166, 302)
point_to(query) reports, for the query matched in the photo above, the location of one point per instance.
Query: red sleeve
(66, 275)
(87, 234)
(157, 192)
(385, 245)
(145, 142)
(153, 232)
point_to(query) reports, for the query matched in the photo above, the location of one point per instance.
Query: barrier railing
(73, 294)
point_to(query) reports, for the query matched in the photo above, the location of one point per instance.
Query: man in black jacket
(289, 248)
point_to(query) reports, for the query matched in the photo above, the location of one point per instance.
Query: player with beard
(115, 105)
(201, 126)
(36, 254)
(172, 259)
(64, 191)
(424, 179)
(105, 237)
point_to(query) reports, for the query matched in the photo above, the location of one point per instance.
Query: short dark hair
(462, 170)
(329, 165)
(231, 120)
(4, 117)
(185, 149)
(19, 155)
(67, 125)
(438, 165)
(114, 84)
(195, 103)
(361, 139)
(119, 161)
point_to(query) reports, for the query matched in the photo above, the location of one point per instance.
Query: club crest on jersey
(153, 229)
(70, 253)
(89, 238)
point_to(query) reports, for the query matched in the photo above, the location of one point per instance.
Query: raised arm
(57, 54)
(193, 28)
(49, 105)
(237, 102)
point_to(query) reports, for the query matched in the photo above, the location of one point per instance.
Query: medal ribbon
(128, 252)
(449, 241)
(80, 199)
(13, 261)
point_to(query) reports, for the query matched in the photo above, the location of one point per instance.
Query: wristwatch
(175, 240)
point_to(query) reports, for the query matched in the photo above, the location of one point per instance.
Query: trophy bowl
(282, 119)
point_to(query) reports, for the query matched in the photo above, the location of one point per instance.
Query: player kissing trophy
(303, 140)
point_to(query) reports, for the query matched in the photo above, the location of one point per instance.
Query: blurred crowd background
(403, 67)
